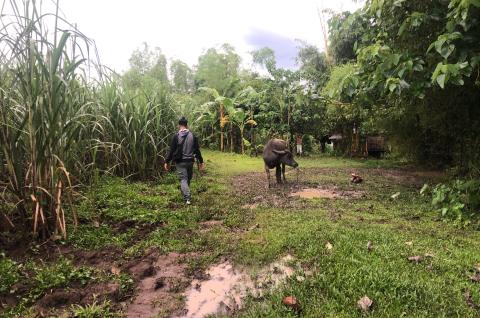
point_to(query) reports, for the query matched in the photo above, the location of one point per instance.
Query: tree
(266, 58)
(182, 77)
(275, 111)
(313, 64)
(417, 70)
(218, 69)
(346, 34)
(247, 99)
(146, 65)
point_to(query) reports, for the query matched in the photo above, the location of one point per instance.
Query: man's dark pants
(185, 172)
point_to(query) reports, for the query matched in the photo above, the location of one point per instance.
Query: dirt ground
(310, 183)
(161, 279)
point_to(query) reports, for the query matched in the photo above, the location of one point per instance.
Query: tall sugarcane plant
(42, 105)
(59, 128)
(132, 129)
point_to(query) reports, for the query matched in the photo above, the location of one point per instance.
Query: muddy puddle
(220, 293)
(227, 285)
(312, 193)
(157, 292)
(210, 224)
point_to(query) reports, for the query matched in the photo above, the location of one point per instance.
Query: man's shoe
(188, 202)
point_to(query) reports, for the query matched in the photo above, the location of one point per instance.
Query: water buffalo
(276, 155)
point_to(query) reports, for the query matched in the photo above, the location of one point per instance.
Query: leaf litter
(365, 303)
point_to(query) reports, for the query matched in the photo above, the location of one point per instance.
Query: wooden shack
(375, 146)
(335, 139)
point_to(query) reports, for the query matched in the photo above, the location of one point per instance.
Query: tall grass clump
(42, 102)
(59, 128)
(132, 128)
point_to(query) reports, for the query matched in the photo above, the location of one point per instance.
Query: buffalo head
(286, 157)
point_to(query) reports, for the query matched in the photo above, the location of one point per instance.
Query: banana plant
(241, 119)
(207, 120)
(220, 103)
(249, 98)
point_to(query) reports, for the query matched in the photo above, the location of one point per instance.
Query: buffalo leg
(267, 170)
(278, 173)
(283, 173)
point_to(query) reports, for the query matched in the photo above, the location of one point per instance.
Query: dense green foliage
(416, 70)
(10, 274)
(59, 127)
(35, 279)
(458, 201)
(393, 68)
(94, 310)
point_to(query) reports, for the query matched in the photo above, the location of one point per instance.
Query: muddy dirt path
(253, 190)
(223, 288)
(330, 183)
(162, 286)
(161, 279)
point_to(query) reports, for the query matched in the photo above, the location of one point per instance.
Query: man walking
(299, 145)
(184, 149)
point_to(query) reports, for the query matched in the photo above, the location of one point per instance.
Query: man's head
(183, 122)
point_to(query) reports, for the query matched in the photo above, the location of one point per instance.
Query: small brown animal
(356, 178)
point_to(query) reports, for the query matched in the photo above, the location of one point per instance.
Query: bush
(458, 201)
(95, 310)
(9, 274)
(48, 276)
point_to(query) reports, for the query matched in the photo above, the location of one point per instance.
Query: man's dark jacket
(189, 148)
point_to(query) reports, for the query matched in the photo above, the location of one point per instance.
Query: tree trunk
(221, 127)
(231, 137)
(290, 134)
(322, 147)
(253, 137)
(221, 139)
(241, 138)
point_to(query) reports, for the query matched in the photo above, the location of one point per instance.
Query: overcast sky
(183, 29)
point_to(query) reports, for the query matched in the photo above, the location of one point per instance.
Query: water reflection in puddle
(226, 286)
(221, 292)
(311, 193)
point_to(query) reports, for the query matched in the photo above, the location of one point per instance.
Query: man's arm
(196, 150)
(173, 148)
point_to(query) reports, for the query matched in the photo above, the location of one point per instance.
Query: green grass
(9, 274)
(91, 237)
(230, 164)
(136, 216)
(37, 278)
(95, 310)
(349, 271)
(58, 274)
(342, 276)
(115, 211)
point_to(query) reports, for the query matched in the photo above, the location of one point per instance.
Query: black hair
(183, 121)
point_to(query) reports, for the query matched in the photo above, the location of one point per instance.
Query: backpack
(177, 155)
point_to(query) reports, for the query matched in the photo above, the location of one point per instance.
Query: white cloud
(184, 28)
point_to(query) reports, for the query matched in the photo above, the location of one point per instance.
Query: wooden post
(231, 136)
(221, 127)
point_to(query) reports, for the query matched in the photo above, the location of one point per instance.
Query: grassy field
(397, 229)
(327, 237)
